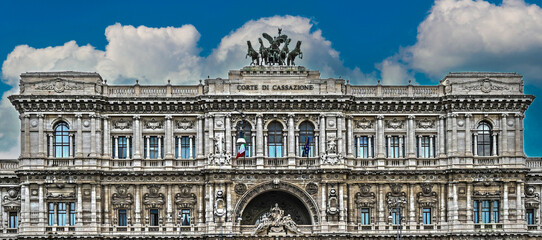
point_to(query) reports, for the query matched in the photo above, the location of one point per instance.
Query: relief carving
(154, 124)
(185, 199)
(365, 198)
(59, 86)
(532, 198)
(122, 124)
(122, 199)
(394, 123)
(425, 123)
(185, 124)
(364, 124)
(12, 202)
(153, 199)
(427, 198)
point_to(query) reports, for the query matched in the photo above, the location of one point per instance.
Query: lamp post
(397, 205)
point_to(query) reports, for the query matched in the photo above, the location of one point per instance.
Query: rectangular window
(185, 217)
(185, 147)
(495, 211)
(476, 217)
(424, 153)
(13, 221)
(61, 212)
(529, 216)
(123, 150)
(396, 216)
(427, 216)
(72, 214)
(122, 217)
(153, 147)
(394, 147)
(51, 214)
(365, 216)
(363, 151)
(154, 217)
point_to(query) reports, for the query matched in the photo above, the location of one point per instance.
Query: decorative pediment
(185, 199)
(427, 198)
(364, 124)
(12, 202)
(122, 124)
(425, 123)
(185, 124)
(122, 199)
(154, 124)
(58, 85)
(532, 198)
(395, 123)
(365, 198)
(153, 199)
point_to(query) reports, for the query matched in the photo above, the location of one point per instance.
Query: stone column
(505, 204)
(79, 213)
(116, 153)
(494, 144)
(127, 147)
(93, 135)
(148, 147)
(265, 144)
(259, 135)
(504, 135)
(51, 145)
(431, 146)
(340, 149)
(297, 153)
(455, 204)
(199, 138)
(449, 138)
(441, 136)
(468, 138)
(26, 140)
(137, 204)
(370, 146)
(316, 146)
(400, 146)
(454, 133)
(475, 139)
(93, 208)
(137, 138)
(341, 203)
(168, 137)
(381, 151)
(381, 210)
(106, 198)
(322, 134)
(106, 136)
(211, 139)
(519, 203)
(169, 206)
(228, 134)
(190, 150)
(519, 134)
(350, 137)
(159, 147)
(411, 133)
(41, 205)
(291, 137)
(41, 152)
(420, 151)
(412, 208)
(359, 153)
(442, 203)
(469, 203)
(285, 148)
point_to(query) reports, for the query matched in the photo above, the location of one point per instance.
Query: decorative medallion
(425, 123)
(394, 123)
(312, 188)
(185, 124)
(153, 124)
(240, 188)
(364, 124)
(34, 123)
(86, 123)
(122, 124)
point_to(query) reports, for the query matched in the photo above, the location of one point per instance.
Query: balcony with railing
(153, 91)
(397, 91)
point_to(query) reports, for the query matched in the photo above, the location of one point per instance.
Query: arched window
(61, 140)
(306, 139)
(483, 139)
(274, 139)
(244, 130)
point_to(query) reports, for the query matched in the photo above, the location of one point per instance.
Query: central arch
(294, 194)
(262, 204)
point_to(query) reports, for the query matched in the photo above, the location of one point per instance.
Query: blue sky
(363, 41)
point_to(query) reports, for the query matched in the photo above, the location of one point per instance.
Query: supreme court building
(323, 159)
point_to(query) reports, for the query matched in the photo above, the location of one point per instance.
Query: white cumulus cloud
(154, 55)
(466, 35)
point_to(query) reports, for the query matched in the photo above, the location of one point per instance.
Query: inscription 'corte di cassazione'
(275, 87)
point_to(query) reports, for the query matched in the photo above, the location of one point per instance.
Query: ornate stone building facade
(323, 159)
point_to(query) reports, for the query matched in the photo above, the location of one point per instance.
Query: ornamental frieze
(59, 86)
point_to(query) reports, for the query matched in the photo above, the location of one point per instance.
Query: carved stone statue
(274, 223)
(274, 55)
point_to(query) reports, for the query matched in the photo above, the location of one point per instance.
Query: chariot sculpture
(274, 54)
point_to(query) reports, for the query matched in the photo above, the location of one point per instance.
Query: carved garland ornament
(185, 199)
(122, 124)
(365, 198)
(394, 123)
(122, 199)
(427, 198)
(59, 86)
(12, 202)
(425, 123)
(185, 124)
(153, 199)
(153, 124)
(532, 198)
(364, 124)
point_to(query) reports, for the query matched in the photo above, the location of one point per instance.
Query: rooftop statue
(274, 55)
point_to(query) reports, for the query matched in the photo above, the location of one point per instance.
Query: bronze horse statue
(253, 54)
(264, 52)
(294, 53)
(284, 52)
